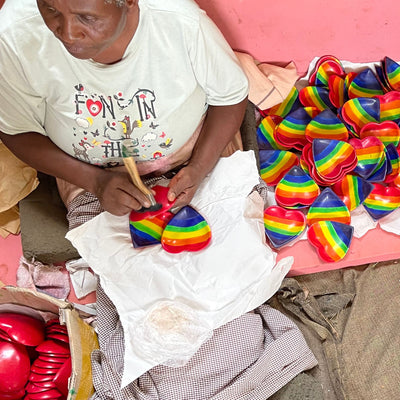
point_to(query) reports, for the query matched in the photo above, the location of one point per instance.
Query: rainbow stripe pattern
(331, 239)
(288, 105)
(392, 72)
(370, 153)
(337, 91)
(186, 231)
(291, 131)
(283, 226)
(325, 67)
(274, 164)
(360, 111)
(387, 132)
(333, 159)
(148, 231)
(315, 96)
(328, 207)
(326, 125)
(390, 106)
(365, 84)
(382, 201)
(296, 189)
(392, 156)
(265, 134)
(352, 190)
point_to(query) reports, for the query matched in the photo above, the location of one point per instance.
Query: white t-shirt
(176, 65)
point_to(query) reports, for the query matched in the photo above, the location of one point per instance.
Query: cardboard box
(82, 337)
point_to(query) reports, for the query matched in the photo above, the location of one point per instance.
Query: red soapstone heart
(387, 132)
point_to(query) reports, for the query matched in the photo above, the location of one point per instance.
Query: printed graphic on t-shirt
(103, 122)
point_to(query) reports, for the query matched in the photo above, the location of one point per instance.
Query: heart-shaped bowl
(296, 189)
(365, 84)
(337, 91)
(325, 67)
(315, 96)
(370, 152)
(186, 231)
(382, 201)
(328, 207)
(352, 190)
(274, 164)
(387, 132)
(331, 239)
(283, 226)
(160, 196)
(389, 106)
(392, 156)
(266, 133)
(333, 159)
(288, 105)
(148, 231)
(326, 125)
(291, 131)
(359, 112)
(392, 73)
(21, 328)
(14, 367)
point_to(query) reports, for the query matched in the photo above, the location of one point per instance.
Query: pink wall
(299, 30)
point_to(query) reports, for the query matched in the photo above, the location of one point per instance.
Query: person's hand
(184, 184)
(117, 194)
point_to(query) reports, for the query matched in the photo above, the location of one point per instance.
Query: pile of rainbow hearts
(328, 148)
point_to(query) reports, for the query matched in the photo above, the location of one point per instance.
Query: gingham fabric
(250, 358)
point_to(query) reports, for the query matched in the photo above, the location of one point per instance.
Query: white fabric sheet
(236, 273)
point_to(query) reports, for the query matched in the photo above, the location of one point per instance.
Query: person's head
(97, 29)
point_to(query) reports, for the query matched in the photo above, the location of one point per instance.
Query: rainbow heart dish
(186, 231)
(296, 189)
(392, 156)
(291, 131)
(331, 239)
(370, 153)
(333, 159)
(283, 226)
(360, 111)
(274, 164)
(315, 96)
(352, 190)
(290, 104)
(148, 231)
(382, 201)
(326, 67)
(265, 133)
(326, 125)
(328, 207)
(387, 132)
(364, 84)
(161, 193)
(392, 73)
(389, 106)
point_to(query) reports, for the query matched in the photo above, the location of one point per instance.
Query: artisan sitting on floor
(77, 77)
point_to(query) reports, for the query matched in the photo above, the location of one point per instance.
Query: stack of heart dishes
(35, 359)
(328, 148)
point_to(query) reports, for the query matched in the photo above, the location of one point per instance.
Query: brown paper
(17, 180)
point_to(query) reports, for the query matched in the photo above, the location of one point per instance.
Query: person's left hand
(184, 184)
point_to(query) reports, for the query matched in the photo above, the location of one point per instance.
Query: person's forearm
(41, 153)
(219, 128)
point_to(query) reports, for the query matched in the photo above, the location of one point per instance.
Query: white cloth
(236, 273)
(176, 65)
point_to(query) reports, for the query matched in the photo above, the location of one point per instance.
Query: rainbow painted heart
(315, 96)
(290, 104)
(283, 226)
(387, 132)
(352, 190)
(365, 84)
(274, 164)
(328, 207)
(382, 201)
(326, 125)
(370, 153)
(296, 189)
(265, 133)
(333, 159)
(186, 231)
(148, 231)
(326, 67)
(331, 239)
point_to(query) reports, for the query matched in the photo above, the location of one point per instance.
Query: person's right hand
(117, 194)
